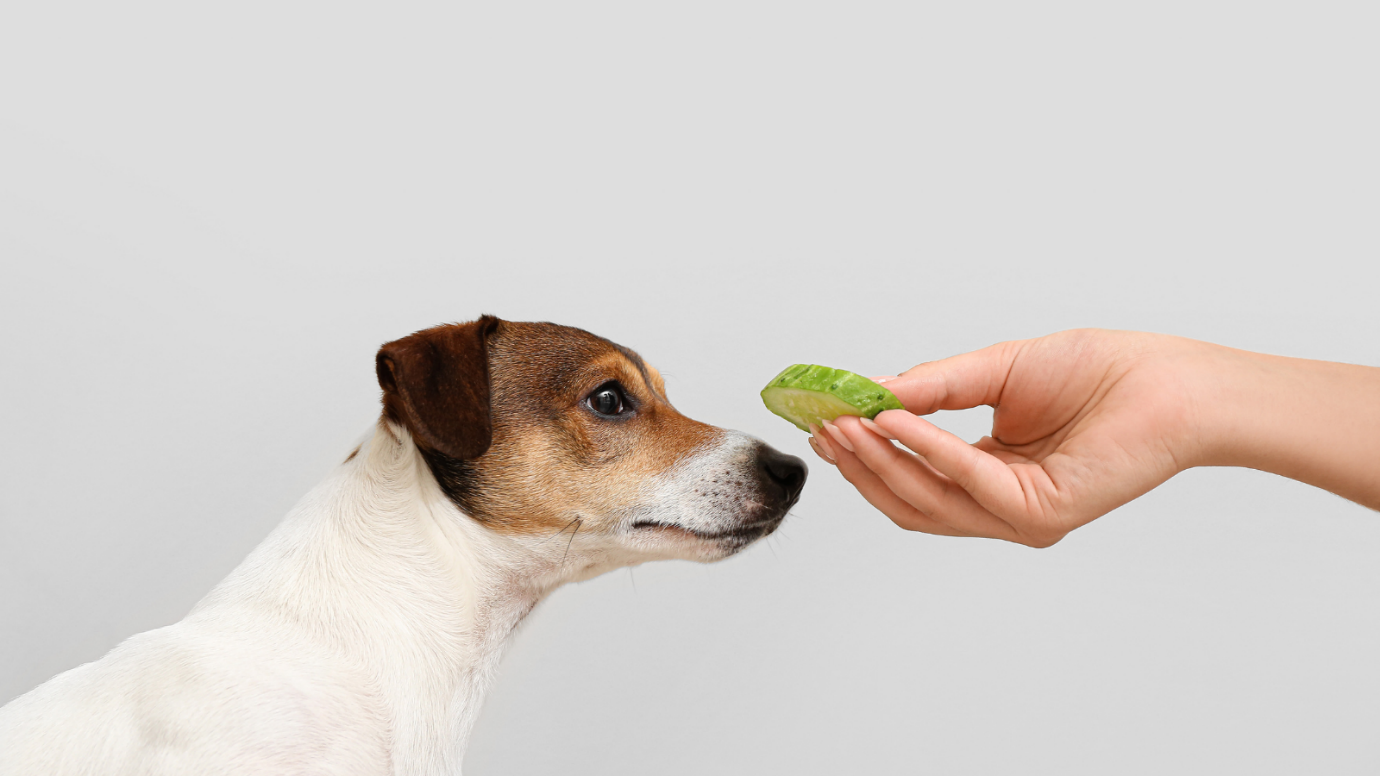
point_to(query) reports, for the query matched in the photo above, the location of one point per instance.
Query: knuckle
(965, 475)
(1042, 540)
(905, 524)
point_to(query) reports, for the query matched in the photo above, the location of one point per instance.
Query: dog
(359, 638)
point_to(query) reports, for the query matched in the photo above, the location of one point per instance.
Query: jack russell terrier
(361, 635)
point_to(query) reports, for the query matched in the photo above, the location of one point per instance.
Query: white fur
(358, 638)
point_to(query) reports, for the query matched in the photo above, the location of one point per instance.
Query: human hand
(1087, 420)
(1084, 421)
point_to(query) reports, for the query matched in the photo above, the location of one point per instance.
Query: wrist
(1313, 421)
(1198, 415)
(1244, 399)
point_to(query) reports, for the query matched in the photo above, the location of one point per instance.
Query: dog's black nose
(785, 471)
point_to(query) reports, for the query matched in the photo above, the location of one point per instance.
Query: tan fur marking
(554, 462)
(658, 384)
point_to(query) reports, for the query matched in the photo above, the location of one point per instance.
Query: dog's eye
(607, 400)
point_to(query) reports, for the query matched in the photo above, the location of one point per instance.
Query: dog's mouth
(743, 533)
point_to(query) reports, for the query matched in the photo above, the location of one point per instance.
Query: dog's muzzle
(780, 479)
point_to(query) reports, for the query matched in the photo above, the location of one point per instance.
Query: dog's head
(536, 430)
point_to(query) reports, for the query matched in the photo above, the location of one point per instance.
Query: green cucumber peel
(809, 394)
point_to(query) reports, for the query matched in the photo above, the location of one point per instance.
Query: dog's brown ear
(436, 384)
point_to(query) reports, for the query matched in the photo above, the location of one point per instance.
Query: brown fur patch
(436, 384)
(551, 460)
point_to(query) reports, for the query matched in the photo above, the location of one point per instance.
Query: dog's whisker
(558, 533)
(579, 521)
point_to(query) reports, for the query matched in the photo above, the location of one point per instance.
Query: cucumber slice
(808, 393)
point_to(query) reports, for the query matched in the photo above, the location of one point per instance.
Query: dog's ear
(436, 384)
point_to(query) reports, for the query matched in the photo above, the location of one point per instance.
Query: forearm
(1313, 421)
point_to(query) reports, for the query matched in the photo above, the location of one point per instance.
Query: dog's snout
(784, 471)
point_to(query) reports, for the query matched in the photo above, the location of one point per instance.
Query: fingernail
(823, 443)
(876, 429)
(839, 436)
(818, 446)
(882, 379)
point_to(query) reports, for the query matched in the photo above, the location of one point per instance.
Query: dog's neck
(379, 566)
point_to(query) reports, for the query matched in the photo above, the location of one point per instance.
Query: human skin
(1087, 420)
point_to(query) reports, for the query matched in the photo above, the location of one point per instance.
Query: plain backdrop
(211, 215)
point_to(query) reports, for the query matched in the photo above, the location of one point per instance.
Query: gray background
(211, 218)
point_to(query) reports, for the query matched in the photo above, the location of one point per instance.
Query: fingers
(872, 488)
(989, 481)
(956, 383)
(923, 487)
(919, 495)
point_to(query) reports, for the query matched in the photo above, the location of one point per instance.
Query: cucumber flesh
(808, 394)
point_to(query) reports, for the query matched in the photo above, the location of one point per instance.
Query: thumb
(957, 382)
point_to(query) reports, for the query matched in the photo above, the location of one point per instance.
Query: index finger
(958, 382)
